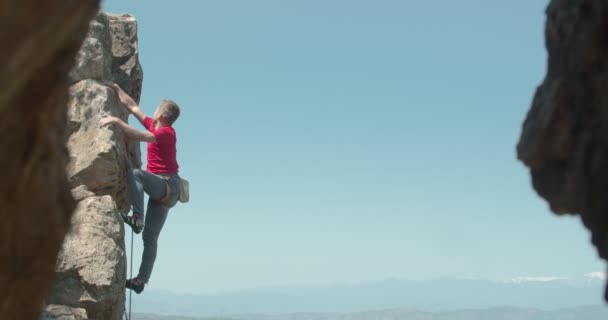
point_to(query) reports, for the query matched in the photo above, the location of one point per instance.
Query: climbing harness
(183, 192)
(167, 189)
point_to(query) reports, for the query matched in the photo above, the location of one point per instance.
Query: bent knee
(138, 174)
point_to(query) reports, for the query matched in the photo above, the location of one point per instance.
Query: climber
(160, 180)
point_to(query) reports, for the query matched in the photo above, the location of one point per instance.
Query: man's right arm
(129, 103)
(129, 131)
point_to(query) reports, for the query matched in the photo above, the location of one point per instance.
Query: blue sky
(350, 141)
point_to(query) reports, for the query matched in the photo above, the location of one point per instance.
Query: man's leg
(136, 191)
(155, 220)
(140, 181)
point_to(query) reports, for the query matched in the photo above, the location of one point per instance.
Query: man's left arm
(129, 131)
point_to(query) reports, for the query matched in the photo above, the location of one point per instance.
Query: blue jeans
(155, 186)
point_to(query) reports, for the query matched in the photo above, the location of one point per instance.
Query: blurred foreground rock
(564, 140)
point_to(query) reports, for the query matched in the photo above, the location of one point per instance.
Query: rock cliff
(91, 266)
(564, 140)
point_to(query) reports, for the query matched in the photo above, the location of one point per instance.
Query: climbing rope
(130, 276)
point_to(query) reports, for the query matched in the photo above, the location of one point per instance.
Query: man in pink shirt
(160, 180)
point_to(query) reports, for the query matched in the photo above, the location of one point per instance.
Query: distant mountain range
(524, 294)
(503, 313)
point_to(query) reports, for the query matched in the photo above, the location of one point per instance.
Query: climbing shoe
(135, 285)
(136, 224)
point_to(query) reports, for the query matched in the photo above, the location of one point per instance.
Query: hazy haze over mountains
(523, 293)
(502, 313)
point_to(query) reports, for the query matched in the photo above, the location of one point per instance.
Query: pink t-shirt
(162, 154)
